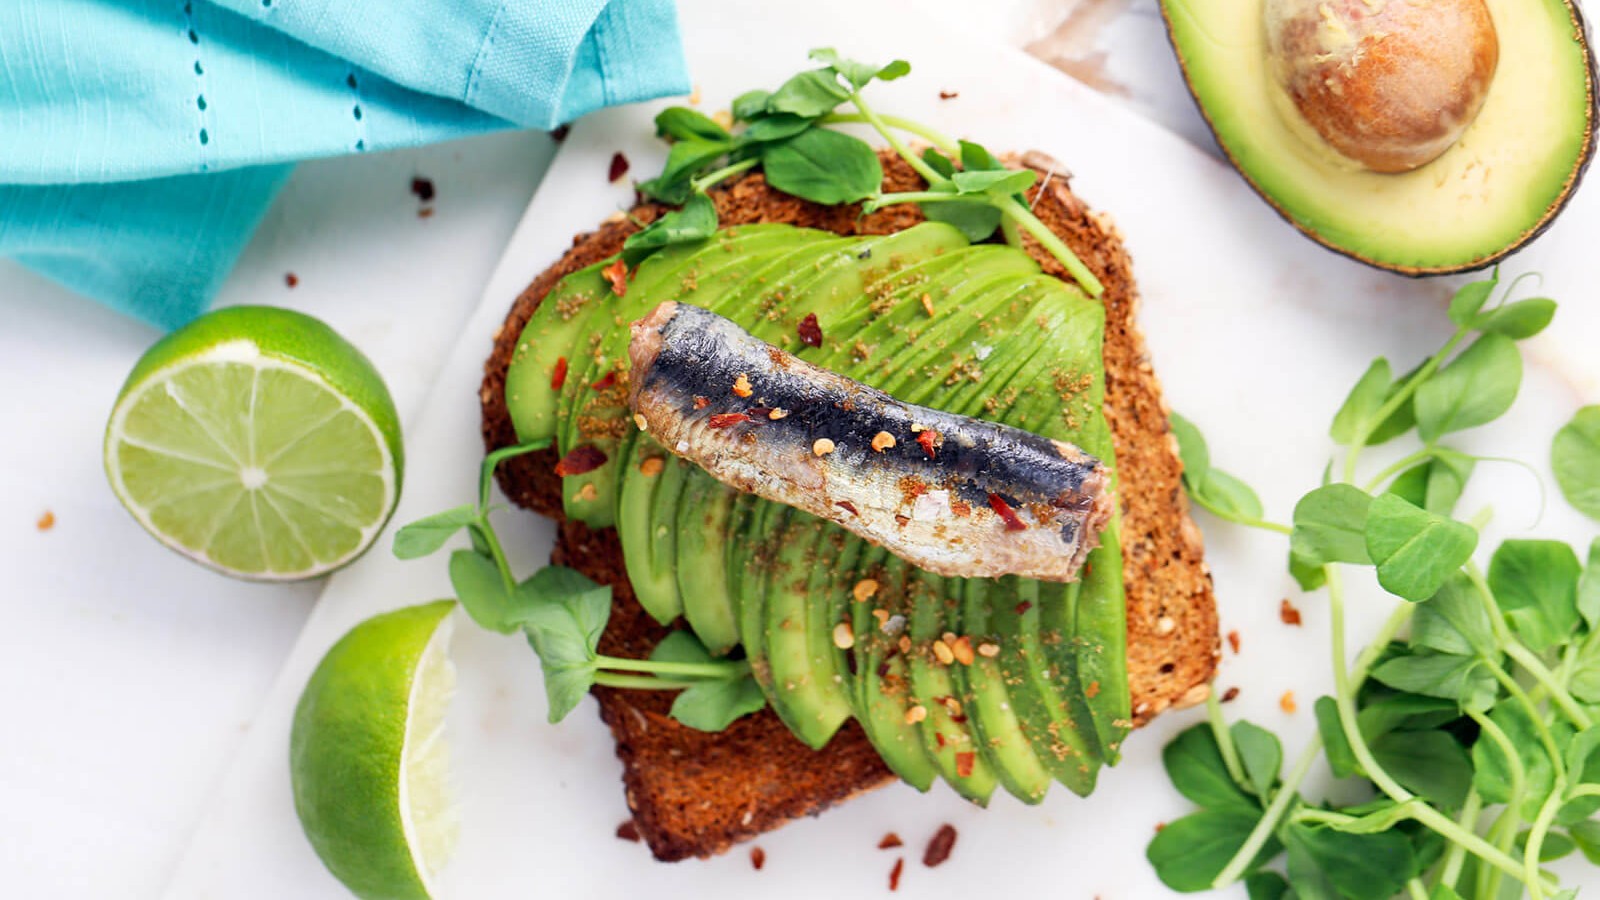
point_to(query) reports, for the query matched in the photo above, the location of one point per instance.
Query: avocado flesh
(1498, 187)
(999, 336)
(593, 416)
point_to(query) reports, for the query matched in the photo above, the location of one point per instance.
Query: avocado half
(1503, 182)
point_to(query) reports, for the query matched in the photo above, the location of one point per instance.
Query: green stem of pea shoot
(707, 180)
(1400, 398)
(1344, 700)
(1456, 856)
(1289, 791)
(481, 526)
(1224, 738)
(1541, 827)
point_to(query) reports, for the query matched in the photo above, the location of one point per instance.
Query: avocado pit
(1388, 84)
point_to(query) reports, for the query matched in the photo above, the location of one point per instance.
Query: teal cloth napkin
(141, 141)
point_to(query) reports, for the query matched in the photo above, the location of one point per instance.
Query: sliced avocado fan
(985, 683)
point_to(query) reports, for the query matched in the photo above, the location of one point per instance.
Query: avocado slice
(932, 611)
(1500, 185)
(996, 702)
(881, 684)
(808, 697)
(702, 569)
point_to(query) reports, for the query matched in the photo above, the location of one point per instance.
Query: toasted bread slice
(697, 794)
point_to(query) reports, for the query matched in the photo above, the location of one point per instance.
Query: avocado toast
(695, 793)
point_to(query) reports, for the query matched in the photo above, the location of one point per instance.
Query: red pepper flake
(944, 840)
(928, 439)
(1288, 613)
(628, 831)
(1233, 642)
(1093, 690)
(701, 402)
(894, 873)
(291, 279)
(558, 376)
(848, 507)
(964, 763)
(560, 134)
(1006, 513)
(727, 420)
(938, 738)
(758, 858)
(617, 275)
(889, 841)
(1230, 695)
(619, 168)
(948, 95)
(423, 188)
(1024, 606)
(810, 332)
(761, 412)
(1160, 827)
(582, 459)
(606, 380)
(47, 521)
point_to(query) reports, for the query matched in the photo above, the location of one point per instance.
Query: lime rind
(214, 488)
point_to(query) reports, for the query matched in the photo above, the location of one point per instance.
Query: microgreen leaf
(696, 221)
(428, 534)
(1261, 755)
(750, 105)
(1492, 771)
(1266, 885)
(481, 590)
(824, 167)
(1400, 711)
(1453, 620)
(1194, 763)
(808, 94)
(1357, 866)
(776, 127)
(994, 181)
(1189, 853)
(1575, 456)
(1473, 389)
(1192, 450)
(1446, 675)
(975, 219)
(858, 74)
(976, 157)
(1589, 588)
(1536, 584)
(714, 705)
(938, 162)
(1330, 525)
(1518, 321)
(685, 160)
(1583, 767)
(1470, 298)
(681, 646)
(1587, 836)
(565, 632)
(1431, 764)
(1415, 550)
(1354, 418)
(1341, 759)
(684, 124)
(1229, 497)
(1556, 845)
(550, 585)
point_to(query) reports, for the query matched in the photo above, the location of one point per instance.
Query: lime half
(259, 442)
(368, 758)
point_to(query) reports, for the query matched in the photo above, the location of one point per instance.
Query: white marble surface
(132, 676)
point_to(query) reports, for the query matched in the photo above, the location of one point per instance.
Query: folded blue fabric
(144, 139)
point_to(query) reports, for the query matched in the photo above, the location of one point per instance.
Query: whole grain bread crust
(696, 794)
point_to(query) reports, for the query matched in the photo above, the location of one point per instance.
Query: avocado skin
(1580, 34)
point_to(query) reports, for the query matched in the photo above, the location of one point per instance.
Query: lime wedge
(368, 758)
(258, 442)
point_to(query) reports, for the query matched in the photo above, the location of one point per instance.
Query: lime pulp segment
(251, 464)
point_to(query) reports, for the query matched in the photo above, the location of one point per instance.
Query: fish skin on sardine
(954, 495)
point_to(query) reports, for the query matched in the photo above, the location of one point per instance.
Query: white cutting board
(1255, 332)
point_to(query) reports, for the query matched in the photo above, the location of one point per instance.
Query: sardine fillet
(954, 495)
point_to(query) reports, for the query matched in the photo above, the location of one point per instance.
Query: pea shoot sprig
(1478, 731)
(562, 613)
(786, 133)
